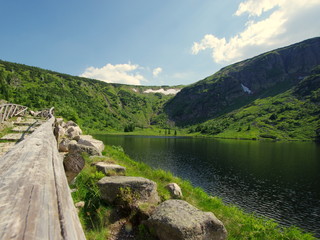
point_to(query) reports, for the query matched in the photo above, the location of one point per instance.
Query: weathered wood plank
(35, 200)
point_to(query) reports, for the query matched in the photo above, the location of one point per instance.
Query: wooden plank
(5, 113)
(35, 200)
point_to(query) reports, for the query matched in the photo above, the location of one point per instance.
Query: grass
(151, 131)
(240, 225)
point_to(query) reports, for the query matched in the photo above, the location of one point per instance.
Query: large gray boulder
(178, 220)
(73, 164)
(136, 189)
(88, 140)
(110, 169)
(78, 148)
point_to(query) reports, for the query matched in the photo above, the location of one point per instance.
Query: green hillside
(91, 103)
(291, 115)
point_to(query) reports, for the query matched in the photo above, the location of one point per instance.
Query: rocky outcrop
(110, 169)
(240, 83)
(175, 190)
(135, 189)
(178, 220)
(70, 139)
(71, 142)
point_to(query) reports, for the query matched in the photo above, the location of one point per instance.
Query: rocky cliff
(240, 83)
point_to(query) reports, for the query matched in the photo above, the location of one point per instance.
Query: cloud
(284, 22)
(119, 73)
(156, 71)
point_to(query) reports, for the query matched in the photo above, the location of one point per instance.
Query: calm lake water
(273, 179)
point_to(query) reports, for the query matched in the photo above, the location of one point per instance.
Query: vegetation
(91, 103)
(96, 215)
(292, 115)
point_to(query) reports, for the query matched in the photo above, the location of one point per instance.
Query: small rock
(178, 220)
(142, 189)
(80, 204)
(18, 119)
(174, 190)
(108, 168)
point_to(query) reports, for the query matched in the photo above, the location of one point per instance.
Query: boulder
(78, 148)
(64, 144)
(175, 190)
(142, 190)
(88, 140)
(71, 123)
(59, 121)
(59, 131)
(109, 168)
(74, 132)
(73, 164)
(178, 220)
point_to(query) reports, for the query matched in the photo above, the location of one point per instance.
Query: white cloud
(119, 73)
(156, 71)
(289, 21)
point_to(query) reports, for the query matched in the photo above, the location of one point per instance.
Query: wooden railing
(9, 110)
(35, 199)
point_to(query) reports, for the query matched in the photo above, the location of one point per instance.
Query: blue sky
(147, 42)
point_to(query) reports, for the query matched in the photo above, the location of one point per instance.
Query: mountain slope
(92, 103)
(292, 115)
(241, 83)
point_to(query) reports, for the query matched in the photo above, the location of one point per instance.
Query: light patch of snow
(135, 90)
(246, 89)
(165, 92)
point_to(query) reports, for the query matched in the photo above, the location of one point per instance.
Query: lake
(279, 180)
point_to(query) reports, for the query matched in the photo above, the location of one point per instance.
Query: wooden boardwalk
(35, 199)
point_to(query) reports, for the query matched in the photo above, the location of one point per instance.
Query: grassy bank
(95, 216)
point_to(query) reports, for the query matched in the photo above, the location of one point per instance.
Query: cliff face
(240, 83)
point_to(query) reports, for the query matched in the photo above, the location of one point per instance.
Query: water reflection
(277, 180)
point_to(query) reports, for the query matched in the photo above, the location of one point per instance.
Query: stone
(59, 121)
(73, 132)
(178, 220)
(64, 144)
(71, 123)
(110, 169)
(79, 204)
(88, 140)
(60, 131)
(175, 190)
(142, 189)
(73, 164)
(78, 148)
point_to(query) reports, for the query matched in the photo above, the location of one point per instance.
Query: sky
(148, 42)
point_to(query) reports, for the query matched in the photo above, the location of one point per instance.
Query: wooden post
(35, 199)
(5, 112)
